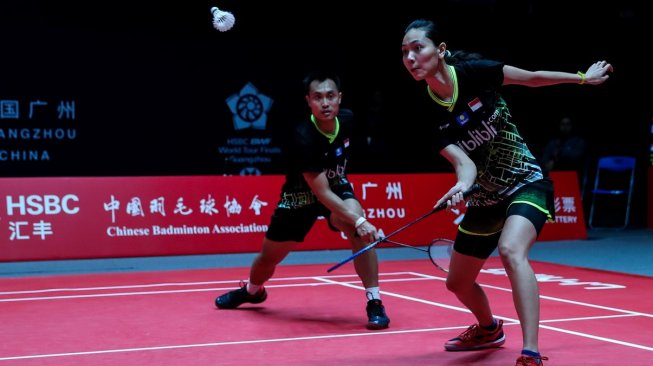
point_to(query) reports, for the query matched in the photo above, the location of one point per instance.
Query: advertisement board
(100, 217)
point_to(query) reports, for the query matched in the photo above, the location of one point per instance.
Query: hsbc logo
(48, 204)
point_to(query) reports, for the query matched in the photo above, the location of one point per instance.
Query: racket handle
(473, 189)
(370, 246)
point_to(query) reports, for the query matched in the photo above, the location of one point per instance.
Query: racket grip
(351, 257)
(473, 189)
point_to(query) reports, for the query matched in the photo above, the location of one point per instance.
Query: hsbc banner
(101, 217)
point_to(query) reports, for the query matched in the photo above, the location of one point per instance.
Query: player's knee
(357, 244)
(454, 286)
(511, 257)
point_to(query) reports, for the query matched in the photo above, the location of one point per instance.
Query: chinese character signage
(30, 128)
(95, 217)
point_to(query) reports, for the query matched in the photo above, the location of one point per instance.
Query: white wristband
(360, 222)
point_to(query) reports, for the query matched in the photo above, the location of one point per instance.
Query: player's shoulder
(346, 114)
(304, 134)
(303, 128)
(480, 67)
(479, 63)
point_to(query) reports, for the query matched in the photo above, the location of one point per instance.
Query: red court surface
(313, 318)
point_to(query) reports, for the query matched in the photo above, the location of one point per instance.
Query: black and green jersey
(480, 123)
(311, 151)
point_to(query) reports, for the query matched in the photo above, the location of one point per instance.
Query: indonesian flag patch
(475, 104)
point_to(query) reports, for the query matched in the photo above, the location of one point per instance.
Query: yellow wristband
(582, 77)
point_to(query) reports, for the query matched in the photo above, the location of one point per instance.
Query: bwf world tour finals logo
(245, 153)
(249, 108)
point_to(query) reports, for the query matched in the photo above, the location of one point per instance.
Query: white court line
(457, 308)
(573, 302)
(281, 279)
(604, 339)
(327, 281)
(162, 292)
(516, 321)
(597, 317)
(271, 340)
(166, 284)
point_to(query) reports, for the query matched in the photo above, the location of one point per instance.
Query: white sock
(252, 289)
(373, 293)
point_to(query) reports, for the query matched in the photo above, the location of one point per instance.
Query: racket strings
(418, 247)
(439, 251)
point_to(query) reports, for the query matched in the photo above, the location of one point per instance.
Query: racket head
(440, 250)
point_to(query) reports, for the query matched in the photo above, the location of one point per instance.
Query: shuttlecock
(222, 20)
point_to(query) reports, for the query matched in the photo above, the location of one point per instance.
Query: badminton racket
(475, 188)
(439, 251)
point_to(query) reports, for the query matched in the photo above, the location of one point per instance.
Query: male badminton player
(316, 185)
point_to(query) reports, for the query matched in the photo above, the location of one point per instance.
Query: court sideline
(627, 251)
(110, 311)
(168, 318)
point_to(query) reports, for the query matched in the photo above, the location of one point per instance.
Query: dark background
(150, 79)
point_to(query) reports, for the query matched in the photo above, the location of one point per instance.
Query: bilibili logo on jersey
(478, 136)
(339, 171)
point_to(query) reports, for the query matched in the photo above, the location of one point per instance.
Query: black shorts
(293, 224)
(479, 232)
